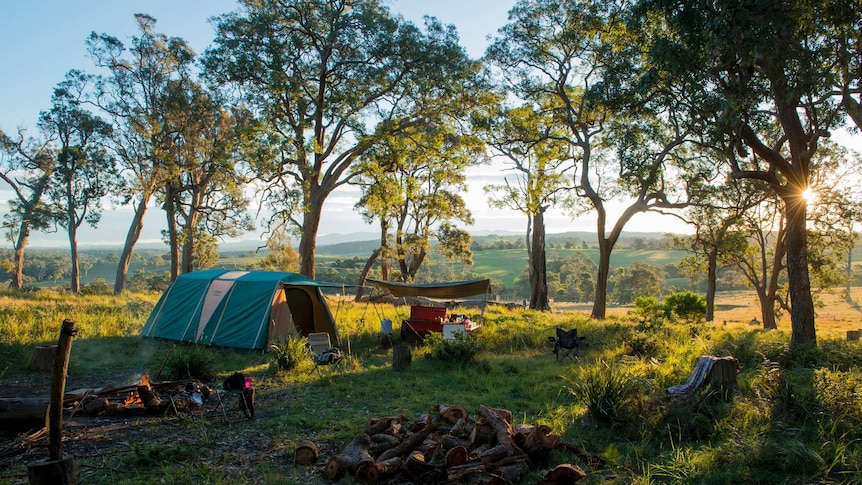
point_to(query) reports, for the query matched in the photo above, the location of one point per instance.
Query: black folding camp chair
(566, 344)
(323, 353)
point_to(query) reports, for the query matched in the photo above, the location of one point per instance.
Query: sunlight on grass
(786, 418)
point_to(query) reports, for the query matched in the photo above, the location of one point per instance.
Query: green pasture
(793, 418)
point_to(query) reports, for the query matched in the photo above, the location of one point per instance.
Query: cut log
(402, 357)
(513, 472)
(43, 358)
(382, 442)
(718, 371)
(94, 406)
(453, 414)
(497, 419)
(536, 441)
(151, 400)
(410, 444)
(382, 469)
(563, 475)
(416, 467)
(14, 409)
(450, 442)
(472, 474)
(388, 425)
(355, 454)
(306, 453)
(494, 454)
(457, 456)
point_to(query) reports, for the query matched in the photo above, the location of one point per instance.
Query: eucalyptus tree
(26, 166)
(203, 197)
(835, 213)
(618, 118)
(775, 75)
(539, 158)
(84, 172)
(715, 215)
(412, 184)
(329, 77)
(133, 93)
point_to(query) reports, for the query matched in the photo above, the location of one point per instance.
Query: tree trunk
(308, 240)
(187, 264)
(767, 312)
(74, 277)
(20, 244)
(538, 265)
(173, 236)
(129, 246)
(799, 283)
(364, 274)
(852, 107)
(711, 275)
(601, 301)
(848, 274)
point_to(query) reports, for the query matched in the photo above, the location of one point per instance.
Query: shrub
(649, 312)
(288, 353)
(608, 391)
(98, 286)
(687, 305)
(462, 349)
(190, 362)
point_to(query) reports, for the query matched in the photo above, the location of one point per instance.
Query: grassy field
(795, 417)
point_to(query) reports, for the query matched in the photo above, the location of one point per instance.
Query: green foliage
(687, 305)
(648, 311)
(791, 417)
(608, 391)
(191, 362)
(288, 353)
(460, 350)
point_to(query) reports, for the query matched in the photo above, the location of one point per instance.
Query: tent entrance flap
(280, 318)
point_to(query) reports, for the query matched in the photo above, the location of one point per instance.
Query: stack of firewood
(448, 445)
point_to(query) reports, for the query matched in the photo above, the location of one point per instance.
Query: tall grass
(792, 419)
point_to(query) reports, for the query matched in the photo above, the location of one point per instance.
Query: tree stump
(852, 335)
(43, 358)
(52, 472)
(402, 357)
(719, 372)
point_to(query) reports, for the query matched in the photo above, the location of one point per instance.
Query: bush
(686, 305)
(289, 352)
(190, 362)
(462, 349)
(98, 286)
(649, 312)
(609, 393)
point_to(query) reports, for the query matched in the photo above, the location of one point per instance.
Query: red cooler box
(432, 313)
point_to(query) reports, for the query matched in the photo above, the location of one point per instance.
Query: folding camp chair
(566, 343)
(322, 351)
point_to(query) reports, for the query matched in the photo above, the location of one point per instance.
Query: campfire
(154, 398)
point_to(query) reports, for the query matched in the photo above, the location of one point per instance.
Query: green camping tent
(242, 309)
